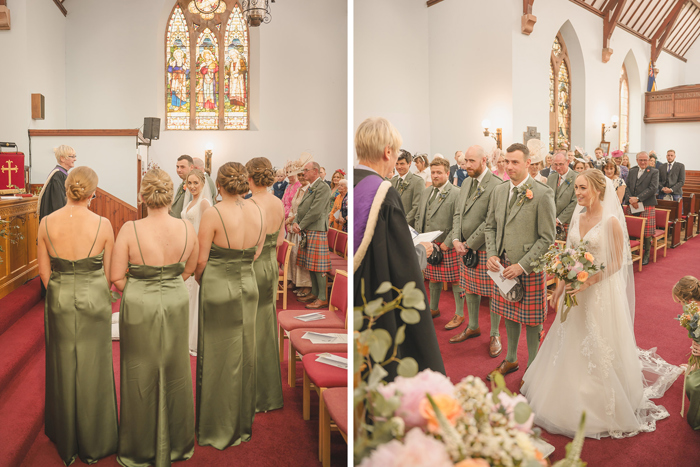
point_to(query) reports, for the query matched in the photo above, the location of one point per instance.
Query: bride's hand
(695, 349)
(571, 291)
(554, 299)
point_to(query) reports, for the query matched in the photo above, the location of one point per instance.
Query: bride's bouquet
(689, 320)
(572, 266)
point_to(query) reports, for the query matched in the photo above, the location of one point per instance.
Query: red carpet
(280, 437)
(673, 443)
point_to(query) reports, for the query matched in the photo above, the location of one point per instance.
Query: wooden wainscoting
(19, 262)
(677, 104)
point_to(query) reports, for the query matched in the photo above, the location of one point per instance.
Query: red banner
(11, 172)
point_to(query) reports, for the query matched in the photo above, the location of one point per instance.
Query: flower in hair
(341, 172)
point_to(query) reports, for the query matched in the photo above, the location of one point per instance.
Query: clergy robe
(390, 256)
(54, 195)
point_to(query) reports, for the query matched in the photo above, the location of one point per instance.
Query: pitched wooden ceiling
(649, 20)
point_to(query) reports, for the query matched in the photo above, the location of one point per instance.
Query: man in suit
(183, 167)
(454, 168)
(322, 174)
(642, 186)
(468, 231)
(520, 229)
(599, 160)
(409, 185)
(561, 180)
(435, 211)
(312, 218)
(548, 163)
(671, 177)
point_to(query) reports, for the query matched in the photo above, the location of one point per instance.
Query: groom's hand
(513, 271)
(459, 248)
(493, 264)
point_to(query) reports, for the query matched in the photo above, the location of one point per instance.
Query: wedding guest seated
(617, 157)
(687, 291)
(81, 408)
(338, 218)
(280, 184)
(612, 171)
(671, 178)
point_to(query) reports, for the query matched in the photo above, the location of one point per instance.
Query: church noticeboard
(11, 172)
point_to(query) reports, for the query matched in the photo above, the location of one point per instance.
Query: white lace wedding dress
(194, 215)
(591, 362)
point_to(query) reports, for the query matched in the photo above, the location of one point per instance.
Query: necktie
(432, 197)
(669, 169)
(559, 182)
(512, 198)
(472, 189)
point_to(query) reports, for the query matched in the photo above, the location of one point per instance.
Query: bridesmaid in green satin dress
(267, 362)
(157, 407)
(230, 238)
(81, 403)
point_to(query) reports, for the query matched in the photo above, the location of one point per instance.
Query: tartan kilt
(532, 309)
(447, 270)
(315, 256)
(476, 280)
(649, 214)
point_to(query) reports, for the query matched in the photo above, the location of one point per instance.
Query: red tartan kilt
(476, 280)
(649, 214)
(566, 229)
(447, 270)
(532, 309)
(315, 256)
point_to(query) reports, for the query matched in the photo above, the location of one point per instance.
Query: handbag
(302, 240)
(435, 257)
(471, 259)
(515, 294)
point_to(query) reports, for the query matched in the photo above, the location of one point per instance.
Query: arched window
(559, 96)
(624, 109)
(206, 66)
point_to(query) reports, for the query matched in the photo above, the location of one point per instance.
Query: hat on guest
(295, 167)
(537, 150)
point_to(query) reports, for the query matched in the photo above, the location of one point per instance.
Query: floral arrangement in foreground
(689, 320)
(423, 419)
(572, 266)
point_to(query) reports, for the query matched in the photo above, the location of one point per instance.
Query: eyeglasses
(72, 157)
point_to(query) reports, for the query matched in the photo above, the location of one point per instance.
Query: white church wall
(682, 137)
(33, 58)
(692, 67)
(391, 67)
(298, 82)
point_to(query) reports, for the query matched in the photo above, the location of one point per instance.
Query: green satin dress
(692, 390)
(81, 402)
(157, 407)
(267, 361)
(228, 302)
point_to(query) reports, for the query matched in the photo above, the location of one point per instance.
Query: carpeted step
(15, 304)
(21, 342)
(22, 411)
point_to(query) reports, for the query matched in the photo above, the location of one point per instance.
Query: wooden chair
(334, 406)
(675, 227)
(341, 245)
(635, 230)
(332, 237)
(660, 238)
(283, 254)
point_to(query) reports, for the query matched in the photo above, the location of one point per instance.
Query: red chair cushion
(322, 375)
(659, 233)
(288, 322)
(634, 243)
(304, 346)
(336, 400)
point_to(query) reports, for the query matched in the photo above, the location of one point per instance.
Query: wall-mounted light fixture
(498, 136)
(605, 128)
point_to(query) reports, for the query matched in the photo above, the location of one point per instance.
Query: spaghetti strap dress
(226, 389)
(81, 401)
(157, 408)
(267, 360)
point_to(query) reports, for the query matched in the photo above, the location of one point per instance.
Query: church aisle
(673, 442)
(280, 437)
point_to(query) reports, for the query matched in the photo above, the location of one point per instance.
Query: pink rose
(417, 450)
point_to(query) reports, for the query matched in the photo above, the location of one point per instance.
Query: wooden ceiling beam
(682, 26)
(688, 41)
(528, 20)
(659, 38)
(59, 4)
(611, 16)
(653, 17)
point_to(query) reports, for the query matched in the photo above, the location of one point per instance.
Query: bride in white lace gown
(591, 362)
(196, 185)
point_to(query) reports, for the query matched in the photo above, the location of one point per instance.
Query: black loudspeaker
(151, 128)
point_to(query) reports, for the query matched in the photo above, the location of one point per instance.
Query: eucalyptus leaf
(499, 380)
(410, 316)
(407, 368)
(374, 306)
(400, 335)
(522, 412)
(375, 377)
(408, 287)
(357, 360)
(379, 342)
(384, 288)
(358, 319)
(414, 299)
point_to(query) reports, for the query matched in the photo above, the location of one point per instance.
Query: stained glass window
(559, 96)
(624, 109)
(207, 77)
(177, 57)
(236, 80)
(207, 92)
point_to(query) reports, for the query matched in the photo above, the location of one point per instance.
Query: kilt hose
(649, 214)
(532, 309)
(315, 256)
(476, 280)
(447, 270)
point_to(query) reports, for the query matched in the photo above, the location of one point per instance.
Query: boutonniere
(524, 192)
(479, 192)
(442, 196)
(403, 185)
(310, 191)
(568, 182)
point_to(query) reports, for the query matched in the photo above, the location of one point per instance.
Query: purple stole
(363, 197)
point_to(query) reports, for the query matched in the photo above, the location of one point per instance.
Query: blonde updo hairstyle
(199, 174)
(81, 183)
(156, 189)
(261, 171)
(687, 290)
(233, 178)
(596, 180)
(63, 151)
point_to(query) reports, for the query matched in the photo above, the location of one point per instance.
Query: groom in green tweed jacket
(520, 227)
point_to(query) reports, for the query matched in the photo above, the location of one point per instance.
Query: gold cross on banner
(10, 169)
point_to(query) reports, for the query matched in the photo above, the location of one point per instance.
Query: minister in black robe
(384, 251)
